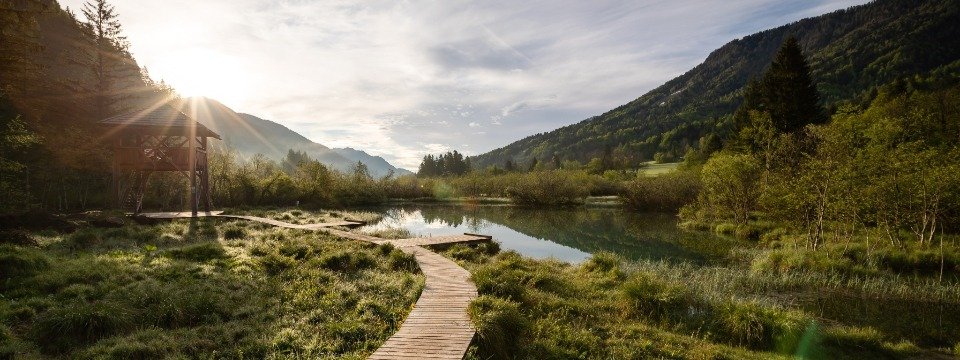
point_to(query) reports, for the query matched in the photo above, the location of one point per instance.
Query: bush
(666, 193)
(499, 325)
(546, 188)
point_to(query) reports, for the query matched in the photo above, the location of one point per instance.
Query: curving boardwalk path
(438, 327)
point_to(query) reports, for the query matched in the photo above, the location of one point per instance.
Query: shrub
(546, 188)
(499, 325)
(667, 192)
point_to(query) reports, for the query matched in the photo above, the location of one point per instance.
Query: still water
(570, 234)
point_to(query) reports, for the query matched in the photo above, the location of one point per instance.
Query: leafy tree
(730, 186)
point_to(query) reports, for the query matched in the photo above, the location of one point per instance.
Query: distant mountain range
(250, 135)
(851, 52)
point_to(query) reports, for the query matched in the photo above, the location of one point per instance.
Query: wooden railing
(161, 159)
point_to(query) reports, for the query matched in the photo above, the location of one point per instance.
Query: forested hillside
(851, 52)
(60, 72)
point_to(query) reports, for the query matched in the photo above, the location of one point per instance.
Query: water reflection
(565, 234)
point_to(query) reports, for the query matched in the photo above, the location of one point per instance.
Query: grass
(209, 288)
(608, 308)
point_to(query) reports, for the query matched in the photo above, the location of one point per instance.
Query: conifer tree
(108, 44)
(786, 91)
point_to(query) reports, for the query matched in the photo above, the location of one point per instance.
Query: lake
(568, 234)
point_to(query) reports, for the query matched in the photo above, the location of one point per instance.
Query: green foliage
(666, 193)
(547, 309)
(449, 164)
(546, 188)
(851, 53)
(299, 179)
(786, 94)
(730, 186)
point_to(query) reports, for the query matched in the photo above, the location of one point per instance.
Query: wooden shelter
(156, 139)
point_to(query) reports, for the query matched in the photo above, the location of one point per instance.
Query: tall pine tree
(109, 44)
(786, 91)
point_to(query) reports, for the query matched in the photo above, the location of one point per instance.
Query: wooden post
(205, 180)
(193, 170)
(115, 180)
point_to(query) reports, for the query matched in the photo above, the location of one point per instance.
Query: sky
(403, 78)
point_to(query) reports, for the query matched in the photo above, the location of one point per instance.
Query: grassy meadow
(608, 308)
(206, 288)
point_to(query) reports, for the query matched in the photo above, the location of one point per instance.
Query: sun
(204, 72)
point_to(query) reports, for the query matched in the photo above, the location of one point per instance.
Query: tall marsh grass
(200, 292)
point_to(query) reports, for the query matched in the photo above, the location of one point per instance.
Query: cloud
(402, 79)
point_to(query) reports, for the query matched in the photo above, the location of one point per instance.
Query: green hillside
(851, 51)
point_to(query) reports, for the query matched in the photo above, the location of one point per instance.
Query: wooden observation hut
(158, 139)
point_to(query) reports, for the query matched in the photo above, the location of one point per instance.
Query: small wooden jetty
(438, 327)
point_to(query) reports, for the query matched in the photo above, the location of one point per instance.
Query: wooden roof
(164, 119)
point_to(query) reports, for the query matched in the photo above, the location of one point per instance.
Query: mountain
(373, 162)
(250, 135)
(851, 52)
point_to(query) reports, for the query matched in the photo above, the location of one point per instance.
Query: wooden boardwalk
(438, 327)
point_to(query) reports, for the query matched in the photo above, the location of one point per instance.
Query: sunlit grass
(202, 288)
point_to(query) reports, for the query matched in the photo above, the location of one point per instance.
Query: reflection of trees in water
(635, 236)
